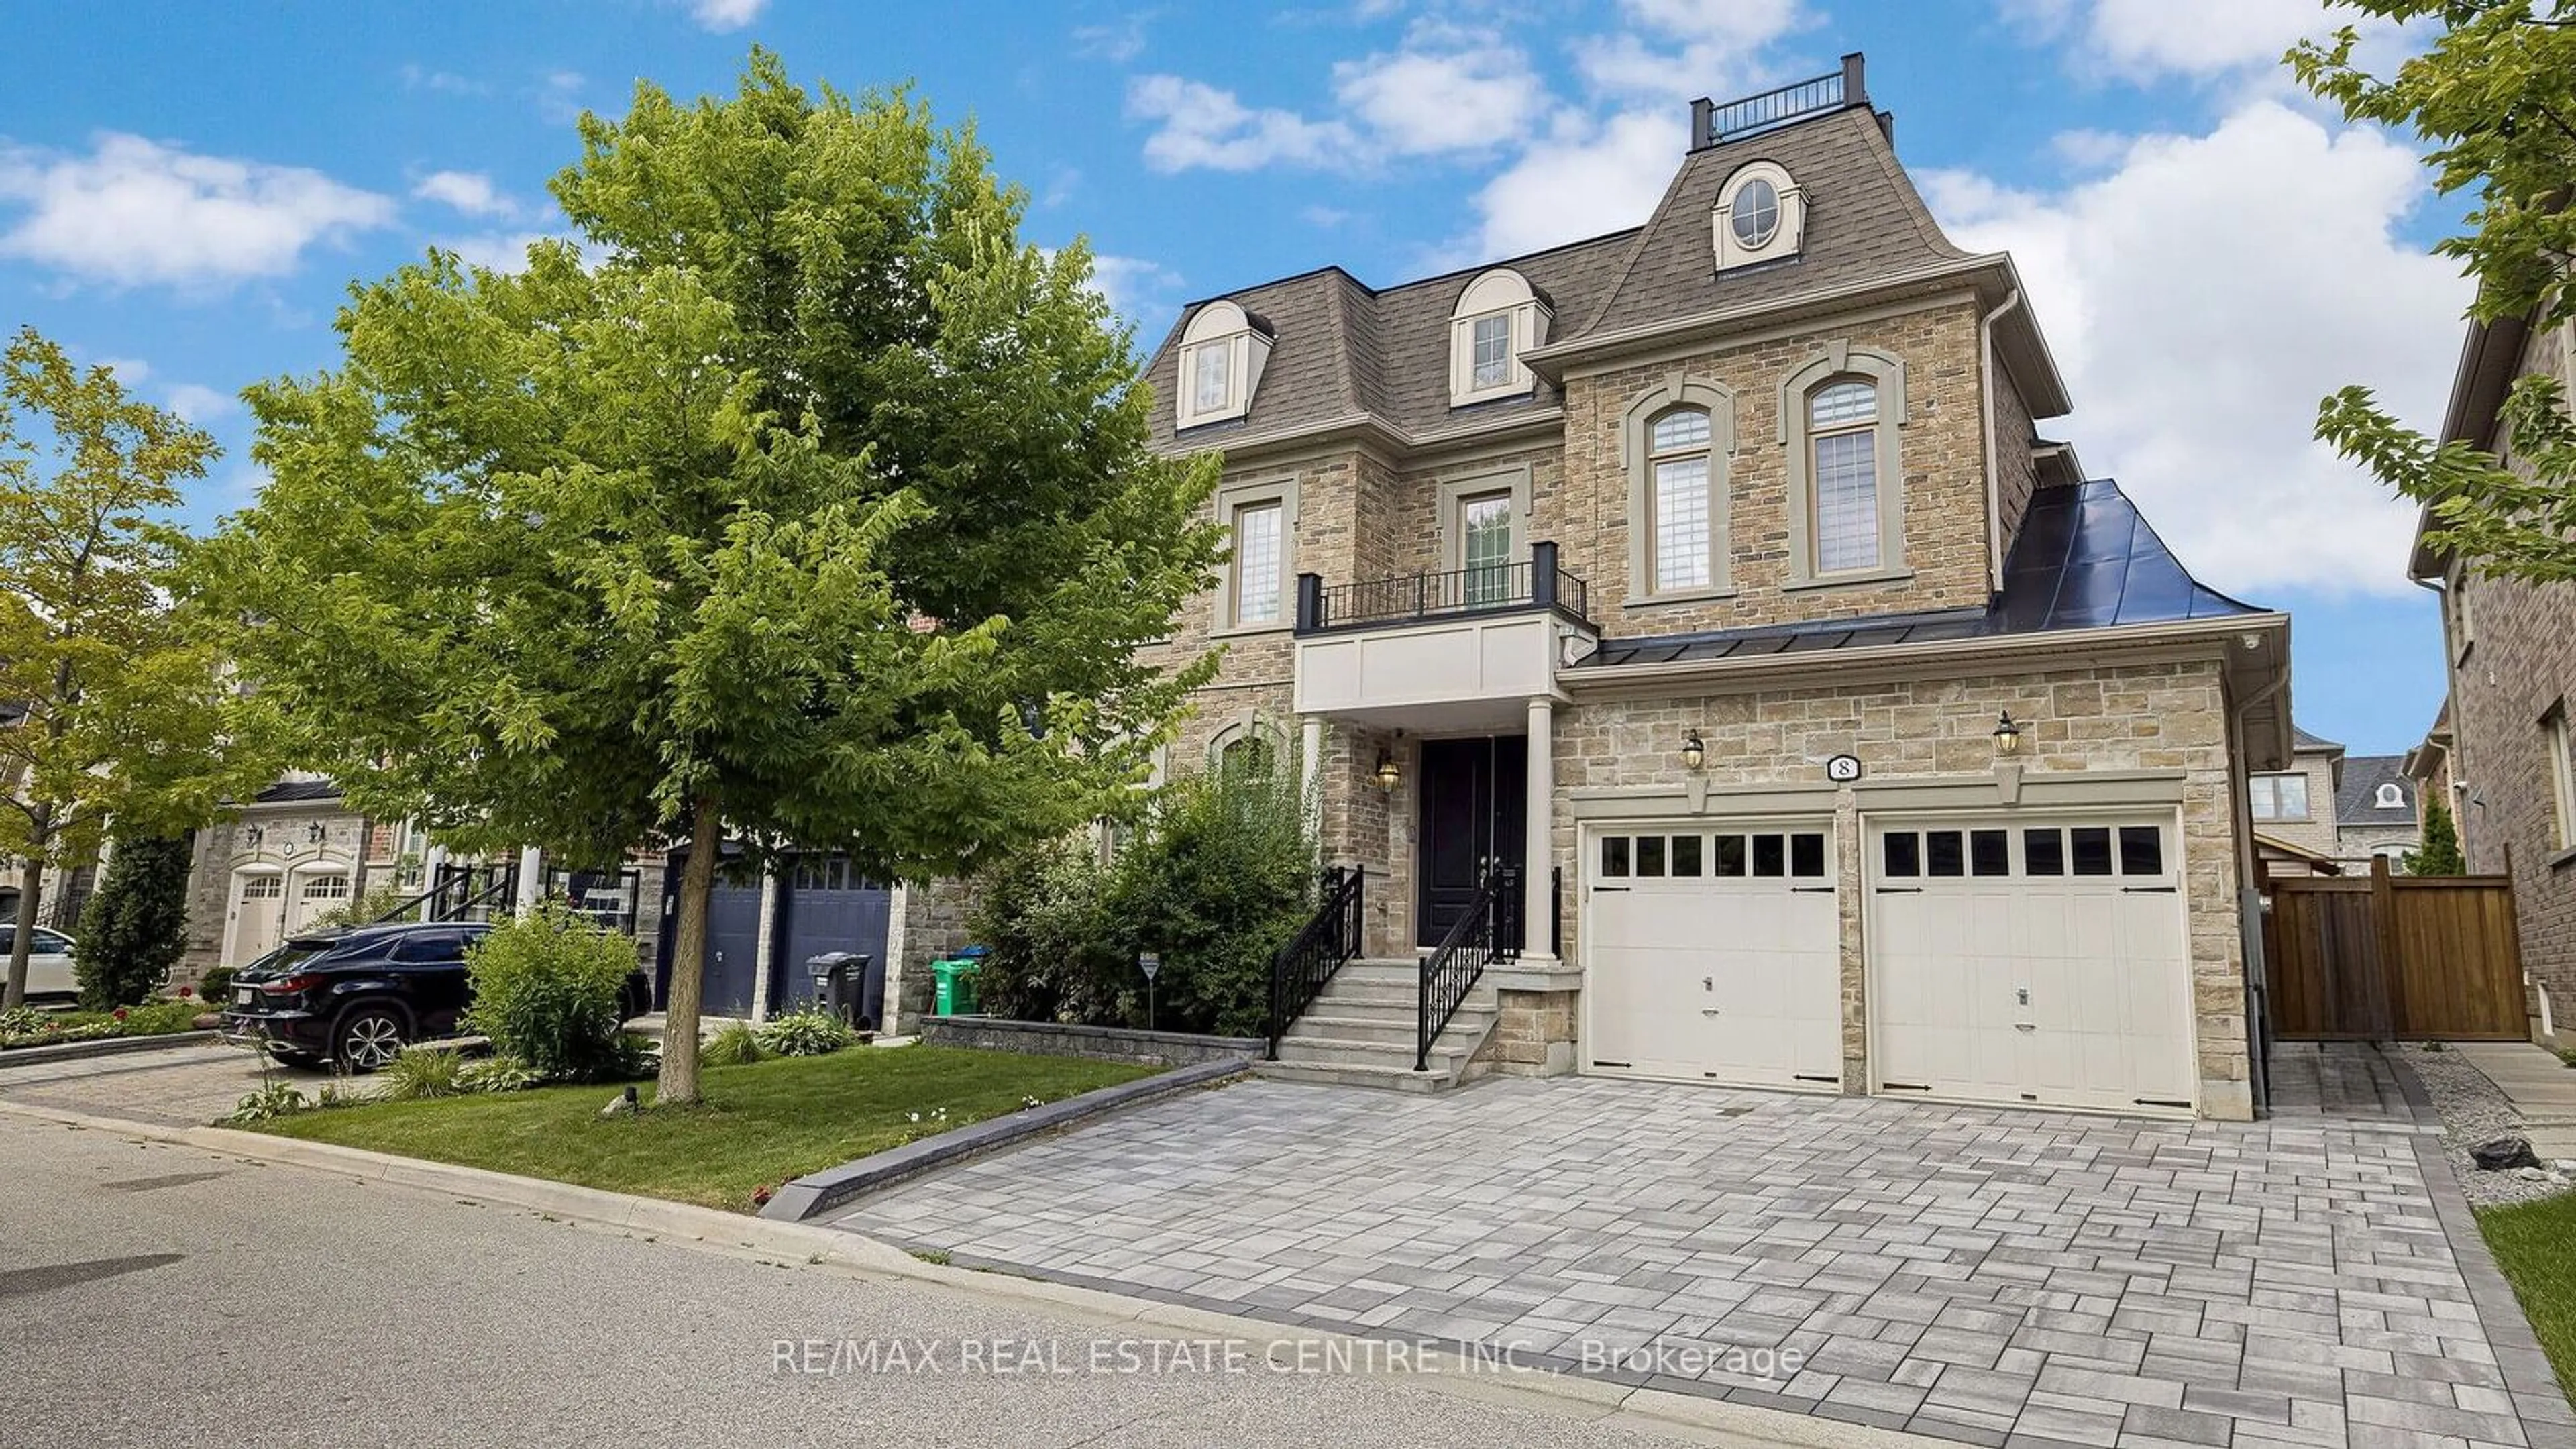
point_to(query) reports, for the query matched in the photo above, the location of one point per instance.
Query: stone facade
(2512, 660)
(275, 841)
(924, 923)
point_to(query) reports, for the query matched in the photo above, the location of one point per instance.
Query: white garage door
(2030, 963)
(1712, 954)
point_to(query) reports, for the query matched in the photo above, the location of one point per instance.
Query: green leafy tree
(2440, 853)
(2495, 95)
(135, 928)
(801, 501)
(115, 708)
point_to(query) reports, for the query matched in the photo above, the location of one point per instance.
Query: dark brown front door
(1475, 802)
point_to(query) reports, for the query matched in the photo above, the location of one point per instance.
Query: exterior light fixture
(2007, 737)
(1386, 774)
(253, 835)
(315, 834)
(1694, 753)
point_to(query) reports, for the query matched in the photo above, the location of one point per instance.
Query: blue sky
(188, 190)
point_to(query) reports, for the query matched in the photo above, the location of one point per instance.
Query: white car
(49, 963)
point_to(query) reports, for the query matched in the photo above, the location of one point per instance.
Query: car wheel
(368, 1037)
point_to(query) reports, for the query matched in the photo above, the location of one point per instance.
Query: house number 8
(1843, 769)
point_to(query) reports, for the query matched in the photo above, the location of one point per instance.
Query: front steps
(1359, 1033)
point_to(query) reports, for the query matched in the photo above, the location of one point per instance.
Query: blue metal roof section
(2084, 559)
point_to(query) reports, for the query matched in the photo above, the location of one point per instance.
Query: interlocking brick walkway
(1981, 1275)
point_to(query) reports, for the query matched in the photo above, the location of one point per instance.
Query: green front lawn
(2535, 1245)
(758, 1125)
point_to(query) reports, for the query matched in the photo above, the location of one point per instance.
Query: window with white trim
(1222, 353)
(2278, 797)
(1678, 458)
(1840, 419)
(1497, 318)
(2562, 772)
(1760, 216)
(1842, 438)
(1485, 547)
(1258, 550)
(2389, 797)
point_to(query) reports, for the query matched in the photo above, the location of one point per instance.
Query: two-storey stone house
(1704, 592)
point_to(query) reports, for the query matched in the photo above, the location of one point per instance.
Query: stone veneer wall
(224, 847)
(2164, 717)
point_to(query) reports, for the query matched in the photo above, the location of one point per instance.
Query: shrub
(277, 1099)
(2440, 853)
(366, 908)
(632, 1057)
(419, 1073)
(546, 986)
(497, 1074)
(1222, 877)
(1042, 914)
(735, 1044)
(136, 928)
(215, 986)
(160, 1018)
(809, 1032)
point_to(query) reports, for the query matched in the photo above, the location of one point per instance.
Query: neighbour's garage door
(1712, 953)
(2030, 963)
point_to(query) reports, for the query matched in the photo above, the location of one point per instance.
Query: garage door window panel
(2043, 852)
(2142, 850)
(1687, 855)
(2092, 849)
(1729, 860)
(1990, 852)
(1807, 855)
(1945, 853)
(1770, 856)
(1903, 854)
(1614, 857)
(1650, 855)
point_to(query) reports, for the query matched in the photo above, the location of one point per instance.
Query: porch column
(532, 877)
(1538, 897)
(1310, 776)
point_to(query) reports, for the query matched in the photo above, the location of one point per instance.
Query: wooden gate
(2394, 957)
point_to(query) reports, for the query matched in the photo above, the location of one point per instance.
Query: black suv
(358, 997)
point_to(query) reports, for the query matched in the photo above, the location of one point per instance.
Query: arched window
(1222, 352)
(1676, 439)
(1761, 216)
(1497, 318)
(1248, 745)
(1840, 417)
(1842, 444)
(2390, 797)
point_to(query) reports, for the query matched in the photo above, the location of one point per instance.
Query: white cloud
(1586, 178)
(2147, 39)
(558, 95)
(130, 371)
(198, 404)
(422, 78)
(723, 15)
(1204, 127)
(1680, 49)
(1326, 217)
(1133, 286)
(136, 212)
(1444, 90)
(470, 192)
(2202, 297)
(1117, 43)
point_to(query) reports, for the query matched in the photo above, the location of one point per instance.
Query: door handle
(2024, 1026)
(1708, 1011)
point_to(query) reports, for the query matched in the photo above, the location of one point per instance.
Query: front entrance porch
(1474, 817)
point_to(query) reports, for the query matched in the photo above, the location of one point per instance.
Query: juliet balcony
(1462, 649)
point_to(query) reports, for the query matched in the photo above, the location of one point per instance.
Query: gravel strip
(2474, 1111)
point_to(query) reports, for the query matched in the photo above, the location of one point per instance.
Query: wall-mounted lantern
(1694, 753)
(2007, 737)
(1386, 774)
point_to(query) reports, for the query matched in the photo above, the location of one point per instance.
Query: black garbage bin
(838, 976)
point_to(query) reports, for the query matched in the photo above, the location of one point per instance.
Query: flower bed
(29, 1027)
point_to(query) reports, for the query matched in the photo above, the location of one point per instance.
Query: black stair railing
(1490, 931)
(1328, 942)
(460, 889)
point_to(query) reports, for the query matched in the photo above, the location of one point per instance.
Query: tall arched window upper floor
(1842, 418)
(1498, 317)
(1222, 352)
(1675, 441)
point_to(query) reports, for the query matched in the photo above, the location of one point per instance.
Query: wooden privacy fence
(2393, 957)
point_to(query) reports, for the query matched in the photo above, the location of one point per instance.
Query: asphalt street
(160, 1295)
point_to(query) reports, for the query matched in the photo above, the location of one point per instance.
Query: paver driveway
(1976, 1274)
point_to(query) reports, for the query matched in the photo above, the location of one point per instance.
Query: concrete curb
(72, 1051)
(1602, 1400)
(817, 1193)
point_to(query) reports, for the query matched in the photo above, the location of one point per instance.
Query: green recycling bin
(956, 978)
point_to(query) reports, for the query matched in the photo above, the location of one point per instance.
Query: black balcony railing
(1713, 124)
(1536, 583)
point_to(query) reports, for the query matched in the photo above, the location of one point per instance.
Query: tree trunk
(688, 957)
(31, 881)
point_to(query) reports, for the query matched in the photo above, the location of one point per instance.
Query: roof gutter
(1986, 395)
(2056, 641)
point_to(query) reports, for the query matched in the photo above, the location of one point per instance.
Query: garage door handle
(1811, 890)
(1900, 890)
(2025, 1026)
(1708, 1011)
(2147, 890)
(1609, 888)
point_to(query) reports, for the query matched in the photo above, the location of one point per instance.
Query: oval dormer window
(1755, 214)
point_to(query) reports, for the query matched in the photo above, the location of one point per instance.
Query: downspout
(1986, 402)
(2249, 910)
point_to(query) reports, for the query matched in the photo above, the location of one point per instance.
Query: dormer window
(1761, 216)
(1499, 317)
(1222, 352)
(2391, 798)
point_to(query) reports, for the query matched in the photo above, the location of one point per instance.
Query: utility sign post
(1150, 964)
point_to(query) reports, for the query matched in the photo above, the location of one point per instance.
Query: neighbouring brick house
(2330, 812)
(1712, 573)
(2504, 735)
